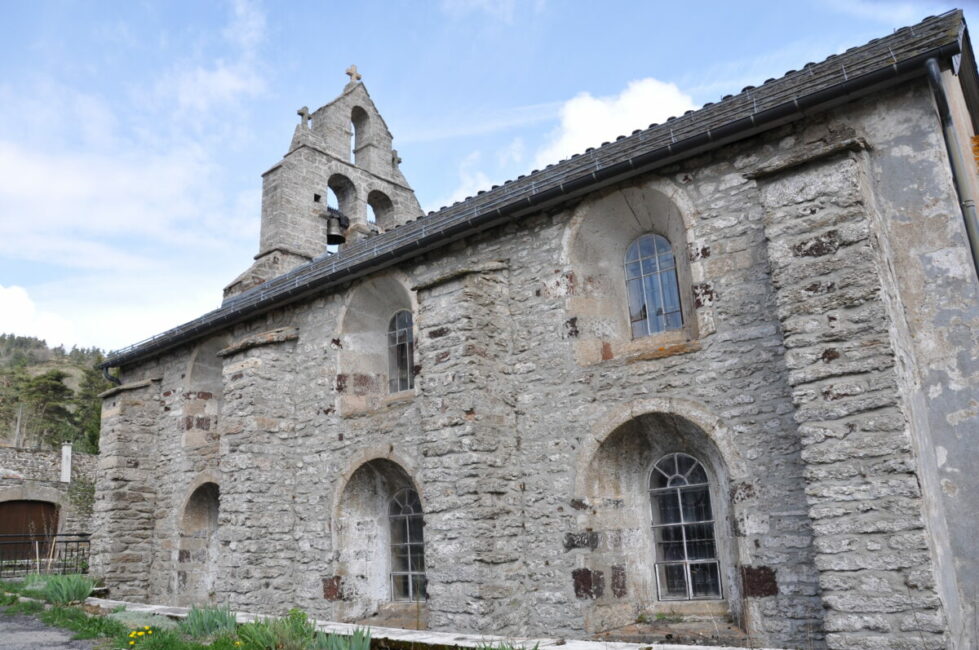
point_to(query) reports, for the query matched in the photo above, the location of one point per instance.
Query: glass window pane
(662, 244)
(657, 479)
(672, 581)
(418, 586)
(415, 528)
(654, 298)
(674, 320)
(399, 587)
(671, 295)
(417, 557)
(649, 266)
(698, 475)
(669, 543)
(666, 508)
(632, 270)
(646, 246)
(632, 254)
(705, 580)
(399, 530)
(696, 504)
(684, 464)
(666, 261)
(700, 542)
(399, 559)
(637, 305)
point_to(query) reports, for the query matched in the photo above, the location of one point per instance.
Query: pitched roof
(881, 62)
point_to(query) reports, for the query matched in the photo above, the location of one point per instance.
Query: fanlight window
(407, 547)
(654, 296)
(401, 352)
(683, 530)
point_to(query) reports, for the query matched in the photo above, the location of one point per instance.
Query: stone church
(723, 368)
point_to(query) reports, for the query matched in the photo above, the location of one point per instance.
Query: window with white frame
(407, 547)
(683, 530)
(401, 352)
(651, 282)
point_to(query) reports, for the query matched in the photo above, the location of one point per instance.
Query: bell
(334, 231)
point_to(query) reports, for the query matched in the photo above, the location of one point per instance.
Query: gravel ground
(20, 632)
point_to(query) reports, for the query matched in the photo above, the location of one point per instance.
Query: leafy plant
(205, 622)
(296, 632)
(61, 590)
(505, 645)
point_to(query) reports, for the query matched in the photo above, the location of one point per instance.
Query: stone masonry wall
(824, 531)
(35, 474)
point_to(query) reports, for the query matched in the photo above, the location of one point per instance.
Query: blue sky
(133, 134)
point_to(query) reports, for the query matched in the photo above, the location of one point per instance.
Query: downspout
(114, 380)
(959, 166)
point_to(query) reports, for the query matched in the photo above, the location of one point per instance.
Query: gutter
(502, 204)
(959, 166)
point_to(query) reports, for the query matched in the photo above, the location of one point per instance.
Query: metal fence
(25, 553)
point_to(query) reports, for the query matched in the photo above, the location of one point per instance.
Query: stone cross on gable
(353, 74)
(303, 114)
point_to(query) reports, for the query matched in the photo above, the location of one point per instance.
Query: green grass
(61, 590)
(84, 626)
(25, 607)
(296, 632)
(207, 622)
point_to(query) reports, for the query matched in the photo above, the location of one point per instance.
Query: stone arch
(203, 398)
(362, 533)
(362, 361)
(381, 207)
(344, 193)
(197, 544)
(360, 133)
(594, 245)
(611, 481)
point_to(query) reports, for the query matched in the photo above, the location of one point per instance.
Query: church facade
(721, 369)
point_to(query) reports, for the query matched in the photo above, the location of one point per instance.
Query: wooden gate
(30, 521)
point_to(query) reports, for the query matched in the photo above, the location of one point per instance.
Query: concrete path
(20, 632)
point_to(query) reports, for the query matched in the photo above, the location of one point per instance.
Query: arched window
(407, 547)
(401, 352)
(683, 530)
(654, 296)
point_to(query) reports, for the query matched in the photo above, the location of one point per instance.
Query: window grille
(651, 282)
(401, 352)
(407, 547)
(683, 530)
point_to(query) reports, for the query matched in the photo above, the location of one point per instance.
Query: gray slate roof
(881, 62)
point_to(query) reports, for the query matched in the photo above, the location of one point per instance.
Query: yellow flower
(140, 633)
(132, 643)
(146, 627)
(150, 632)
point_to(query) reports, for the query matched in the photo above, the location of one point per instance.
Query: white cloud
(247, 28)
(511, 154)
(476, 122)
(19, 315)
(587, 121)
(471, 180)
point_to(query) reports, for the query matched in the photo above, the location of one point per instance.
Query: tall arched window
(407, 546)
(654, 296)
(683, 530)
(401, 352)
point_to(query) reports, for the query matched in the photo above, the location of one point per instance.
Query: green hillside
(49, 395)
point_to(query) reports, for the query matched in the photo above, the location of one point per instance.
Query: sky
(133, 134)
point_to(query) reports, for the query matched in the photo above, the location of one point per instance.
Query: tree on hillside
(47, 413)
(88, 408)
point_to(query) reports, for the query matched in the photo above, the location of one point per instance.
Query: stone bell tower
(343, 148)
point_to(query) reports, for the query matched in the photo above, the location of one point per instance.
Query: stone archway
(197, 546)
(613, 491)
(365, 543)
